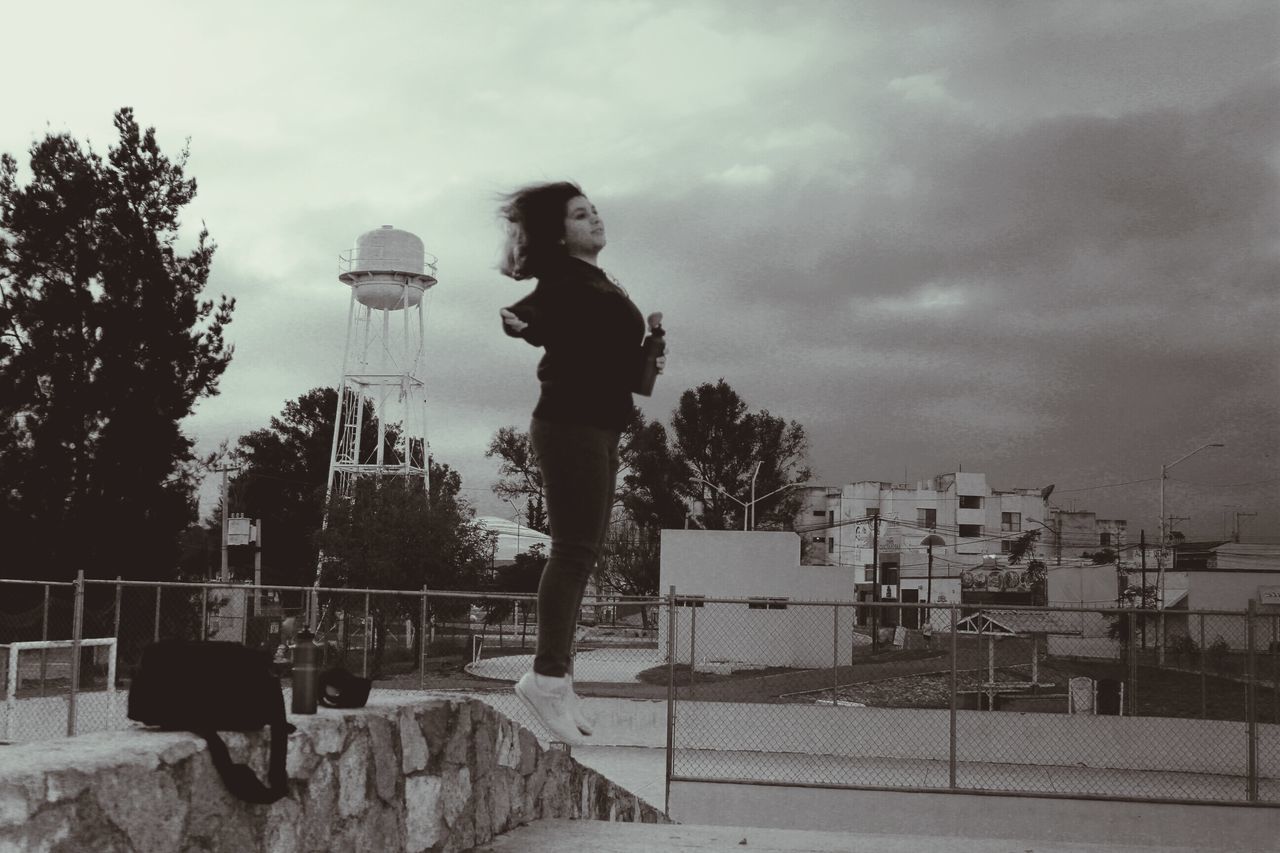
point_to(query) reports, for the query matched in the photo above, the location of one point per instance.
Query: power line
(1109, 485)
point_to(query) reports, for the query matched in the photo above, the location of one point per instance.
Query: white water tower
(381, 423)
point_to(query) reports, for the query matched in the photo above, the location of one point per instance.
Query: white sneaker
(549, 704)
(576, 712)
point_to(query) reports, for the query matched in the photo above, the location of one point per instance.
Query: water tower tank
(388, 269)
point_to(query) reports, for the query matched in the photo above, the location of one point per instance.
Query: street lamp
(1162, 556)
(748, 507)
(1057, 535)
(1164, 475)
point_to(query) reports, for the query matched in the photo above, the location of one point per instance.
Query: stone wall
(399, 774)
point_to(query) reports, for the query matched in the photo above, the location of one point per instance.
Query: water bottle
(306, 673)
(654, 346)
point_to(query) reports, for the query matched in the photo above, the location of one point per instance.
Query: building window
(766, 604)
(970, 531)
(1005, 546)
(690, 600)
(927, 517)
(831, 544)
(1011, 522)
(868, 573)
(873, 511)
(1106, 540)
(970, 502)
(817, 513)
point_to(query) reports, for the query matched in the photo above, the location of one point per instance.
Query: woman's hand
(511, 321)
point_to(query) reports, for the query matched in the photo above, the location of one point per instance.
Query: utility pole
(225, 573)
(875, 586)
(1142, 596)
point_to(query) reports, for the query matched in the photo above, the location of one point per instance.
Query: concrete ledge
(400, 774)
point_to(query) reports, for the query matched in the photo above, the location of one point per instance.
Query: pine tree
(105, 346)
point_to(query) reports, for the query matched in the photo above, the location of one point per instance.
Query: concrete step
(559, 836)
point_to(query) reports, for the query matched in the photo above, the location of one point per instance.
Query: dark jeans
(579, 471)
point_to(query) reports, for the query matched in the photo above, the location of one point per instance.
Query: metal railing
(1064, 702)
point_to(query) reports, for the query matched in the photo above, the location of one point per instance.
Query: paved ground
(609, 666)
(557, 836)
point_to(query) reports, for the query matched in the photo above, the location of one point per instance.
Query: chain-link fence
(1062, 702)
(423, 639)
(1173, 705)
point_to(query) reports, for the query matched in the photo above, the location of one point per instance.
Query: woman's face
(583, 228)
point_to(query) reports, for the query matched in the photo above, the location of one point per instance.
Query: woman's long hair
(535, 228)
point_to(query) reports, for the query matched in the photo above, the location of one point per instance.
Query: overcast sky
(1036, 240)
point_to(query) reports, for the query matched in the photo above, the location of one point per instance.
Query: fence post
(693, 642)
(364, 651)
(422, 643)
(1130, 640)
(119, 601)
(77, 629)
(157, 631)
(204, 613)
(1250, 702)
(671, 693)
(1274, 649)
(835, 655)
(951, 761)
(44, 635)
(1204, 681)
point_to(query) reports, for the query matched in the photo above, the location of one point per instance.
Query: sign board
(1269, 595)
(888, 592)
(240, 530)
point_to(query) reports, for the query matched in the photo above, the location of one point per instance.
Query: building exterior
(923, 541)
(1075, 533)
(773, 627)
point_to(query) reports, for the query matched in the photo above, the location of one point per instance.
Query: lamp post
(748, 507)
(745, 507)
(1057, 535)
(929, 541)
(1164, 475)
(1162, 555)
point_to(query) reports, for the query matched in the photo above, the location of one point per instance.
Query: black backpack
(207, 687)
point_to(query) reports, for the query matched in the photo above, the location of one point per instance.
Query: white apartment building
(962, 516)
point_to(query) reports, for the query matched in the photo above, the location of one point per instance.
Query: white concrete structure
(775, 629)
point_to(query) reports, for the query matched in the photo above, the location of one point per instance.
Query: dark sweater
(592, 334)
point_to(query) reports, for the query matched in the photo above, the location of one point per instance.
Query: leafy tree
(632, 562)
(521, 576)
(105, 346)
(282, 480)
(520, 477)
(715, 444)
(713, 436)
(1019, 547)
(655, 486)
(390, 533)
